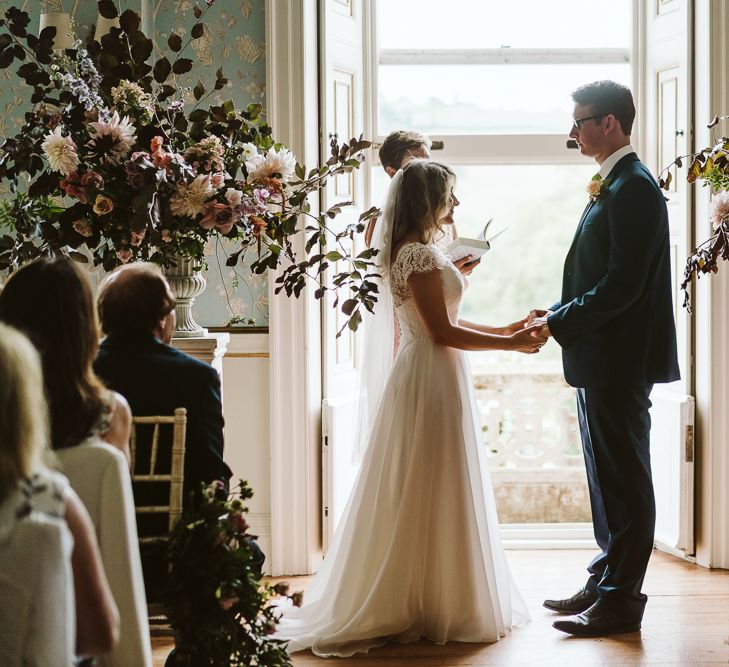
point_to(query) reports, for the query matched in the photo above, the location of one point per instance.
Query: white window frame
(501, 149)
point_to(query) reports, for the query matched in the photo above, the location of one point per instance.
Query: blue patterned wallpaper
(234, 38)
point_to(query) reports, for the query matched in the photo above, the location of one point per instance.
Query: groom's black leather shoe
(597, 621)
(579, 602)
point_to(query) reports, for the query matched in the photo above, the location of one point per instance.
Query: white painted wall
(246, 410)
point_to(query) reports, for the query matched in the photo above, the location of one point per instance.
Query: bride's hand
(467, 264)
(512, 328)
(528, 340)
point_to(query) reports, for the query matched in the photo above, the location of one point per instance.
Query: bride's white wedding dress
(417, 552)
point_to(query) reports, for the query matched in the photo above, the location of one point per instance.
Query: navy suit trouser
(615, 428)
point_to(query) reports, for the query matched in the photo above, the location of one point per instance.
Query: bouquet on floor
(116, 163)
(220, 612)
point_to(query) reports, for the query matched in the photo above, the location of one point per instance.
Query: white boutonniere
(598, 187)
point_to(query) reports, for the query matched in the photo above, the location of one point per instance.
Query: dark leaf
(107, 8)
(182, 66)
(6, 58)
(198, 116)
(197, 11)
(141, 50)
(162, 69)
(679, 162)
(175, 42)
(714, 122)
(198, 30)
(5, 40)
(130, 22)
(199, 90)
(348, 306)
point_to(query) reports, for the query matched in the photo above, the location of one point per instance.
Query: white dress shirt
(607, 166)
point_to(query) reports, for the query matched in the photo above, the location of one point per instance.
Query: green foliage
(219, 610)
(711, 166)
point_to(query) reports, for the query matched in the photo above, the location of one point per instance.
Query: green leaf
(348, 306)
(334, 256)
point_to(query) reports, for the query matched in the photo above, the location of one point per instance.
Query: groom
(615, 325)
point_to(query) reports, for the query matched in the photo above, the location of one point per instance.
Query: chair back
(153, 470)
(37, 612)
(99, 473)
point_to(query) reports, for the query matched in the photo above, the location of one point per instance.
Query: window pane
(541, 206)
(485, 99)
(465, 24)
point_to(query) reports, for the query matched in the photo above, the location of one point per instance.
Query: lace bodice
(420, 258)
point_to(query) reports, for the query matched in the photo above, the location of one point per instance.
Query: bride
(417, 552)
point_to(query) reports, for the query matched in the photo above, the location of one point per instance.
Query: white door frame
(711, 298)
(295, 324)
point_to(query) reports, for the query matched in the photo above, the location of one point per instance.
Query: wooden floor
(686, 623)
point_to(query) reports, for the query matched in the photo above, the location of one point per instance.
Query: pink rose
(161, 159)
(72, 189)
(233, 196)
(124, 255)
(217, 180)
(138, 237)
(92, 180)
(83, 227)
(155, 144)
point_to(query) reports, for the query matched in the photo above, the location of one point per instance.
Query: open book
(477, 247)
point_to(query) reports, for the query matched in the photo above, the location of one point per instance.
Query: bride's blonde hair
(423, 200)
(23, 414)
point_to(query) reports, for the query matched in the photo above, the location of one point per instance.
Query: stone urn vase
(187, 282)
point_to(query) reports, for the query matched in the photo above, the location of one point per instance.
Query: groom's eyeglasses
(577, 122)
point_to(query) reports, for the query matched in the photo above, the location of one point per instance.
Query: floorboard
(686, 623)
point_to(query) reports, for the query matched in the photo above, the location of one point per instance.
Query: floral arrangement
(114, 165)
(710, 165)
(220, 612)
(597, 188)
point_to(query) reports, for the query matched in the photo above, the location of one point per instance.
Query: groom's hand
(536, 313)
(544, 327)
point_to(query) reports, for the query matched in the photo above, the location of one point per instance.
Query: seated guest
(137, 311)
(56, 601)
(51, 301)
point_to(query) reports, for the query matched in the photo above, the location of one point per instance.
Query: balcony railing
(529, 418)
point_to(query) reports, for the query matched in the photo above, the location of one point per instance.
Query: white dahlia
(113, 139)
(273, 162)
(190, 197)
(60, 152)
(719, 211)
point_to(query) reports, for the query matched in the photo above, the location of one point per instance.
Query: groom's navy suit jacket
(614, 321)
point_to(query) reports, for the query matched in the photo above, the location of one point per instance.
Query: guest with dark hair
(51, 301)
